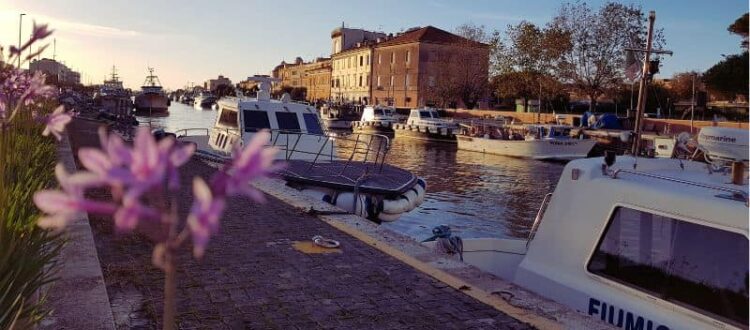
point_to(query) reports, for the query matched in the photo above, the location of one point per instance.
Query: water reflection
(478, 195)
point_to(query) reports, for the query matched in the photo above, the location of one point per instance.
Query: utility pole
(642, 90)
(20, 26)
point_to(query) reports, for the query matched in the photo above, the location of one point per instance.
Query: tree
(526, 59)
(224, 90)
(740, 28)
(728, 78)
(595, 61)
(681, 86)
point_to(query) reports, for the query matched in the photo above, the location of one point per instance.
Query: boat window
(311, 122)
(424, 114)
(256, 120)
(228, 118)
(287, 121)
(379, 112)
(695, 266)
(435, 114)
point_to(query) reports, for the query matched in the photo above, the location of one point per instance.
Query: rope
(325, 242)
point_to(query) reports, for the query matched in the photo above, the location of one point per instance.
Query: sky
(192, 41)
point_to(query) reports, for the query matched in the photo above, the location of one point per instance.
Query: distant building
(56, 72)
(316, 78)
(290, 74)
(351, 63)
(424, 66)
(345, 38)
(213, 84)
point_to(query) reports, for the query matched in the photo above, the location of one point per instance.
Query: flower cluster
(20, 88)
(151, 166)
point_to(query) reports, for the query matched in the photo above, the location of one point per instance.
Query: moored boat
(112, 97)
(535, 141)
(204, 99)
(643, 243)
(349, 172)
(376, 119)
(426, 124)
(151, 101)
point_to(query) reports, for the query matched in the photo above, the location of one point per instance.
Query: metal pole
(692, 106)
(20, 26)
(642, 91)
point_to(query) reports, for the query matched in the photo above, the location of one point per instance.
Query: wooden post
(642, 90)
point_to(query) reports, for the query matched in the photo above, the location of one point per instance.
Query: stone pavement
(253, 277)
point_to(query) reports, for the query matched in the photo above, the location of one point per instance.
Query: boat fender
(396, 206)
(388, 217)
(421, 187)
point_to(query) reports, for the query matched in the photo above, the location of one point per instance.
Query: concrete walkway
(261, 273)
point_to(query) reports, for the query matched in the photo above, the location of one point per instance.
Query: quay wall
(654, 125)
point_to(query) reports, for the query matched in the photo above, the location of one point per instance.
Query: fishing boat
(349, 172)
(112, 97)
(535, 141)
(426, 124)
(376, 119)
(151, 101)
(643, 243)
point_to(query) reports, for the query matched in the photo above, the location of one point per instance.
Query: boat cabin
(378, 114)
(538, 132)
(427, 117)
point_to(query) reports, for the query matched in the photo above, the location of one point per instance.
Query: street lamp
(20, 24)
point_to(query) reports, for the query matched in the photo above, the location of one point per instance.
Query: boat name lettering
(563, 143)
(621, 318)
(719, 138)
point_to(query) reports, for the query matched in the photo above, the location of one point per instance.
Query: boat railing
(368, 149)
(538, 219)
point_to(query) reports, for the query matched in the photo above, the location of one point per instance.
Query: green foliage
(27, 252)
(729, 77)
(740, 28)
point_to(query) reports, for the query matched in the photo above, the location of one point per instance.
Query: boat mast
(642, 88)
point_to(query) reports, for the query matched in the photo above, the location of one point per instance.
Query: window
(360, 80)
(695, 266)
(380, 58)
(379, 81)
(311, 122)
(408, 56)
(379, 112)
(361, 61)
(424, 114)
(256, 120)
(406, 80)
(393, 57)
(287, 121)
(367, 59)
(228, 118)
(391, 81)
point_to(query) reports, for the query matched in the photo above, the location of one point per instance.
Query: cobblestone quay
(253, 277)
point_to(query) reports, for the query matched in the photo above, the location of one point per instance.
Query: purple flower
(203, 220)
(127, 216)
(252, 162)
(179, 155)
(55, 123)
(39, 32)
(60, 207)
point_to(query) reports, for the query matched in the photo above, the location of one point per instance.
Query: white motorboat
(204, 99)
(535, 141)
(349, 171)
(426, 124)
(376, 119)
(640, 243)
(338, 117)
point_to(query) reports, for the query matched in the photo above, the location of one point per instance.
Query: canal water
(477, 195)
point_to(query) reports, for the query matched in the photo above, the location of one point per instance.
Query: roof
(430, 34)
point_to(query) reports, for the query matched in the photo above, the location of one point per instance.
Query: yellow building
(350, 75)
(316, 78)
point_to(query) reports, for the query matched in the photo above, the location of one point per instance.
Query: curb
(78, 298)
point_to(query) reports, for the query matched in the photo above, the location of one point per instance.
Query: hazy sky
(191, 41)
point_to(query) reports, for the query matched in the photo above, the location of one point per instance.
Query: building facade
(213, 84)
(55, 71)
(346, 38)
(316, 78)
(429, 66)
(350, 75)
(289, 74)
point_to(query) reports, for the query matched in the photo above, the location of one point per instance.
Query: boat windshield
(228, 118)
(424, 114)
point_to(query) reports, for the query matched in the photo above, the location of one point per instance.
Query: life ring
(388, 217)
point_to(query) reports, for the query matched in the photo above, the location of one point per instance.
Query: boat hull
(442, 134)
(564, 149)
(373, 127)
(147, 104)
